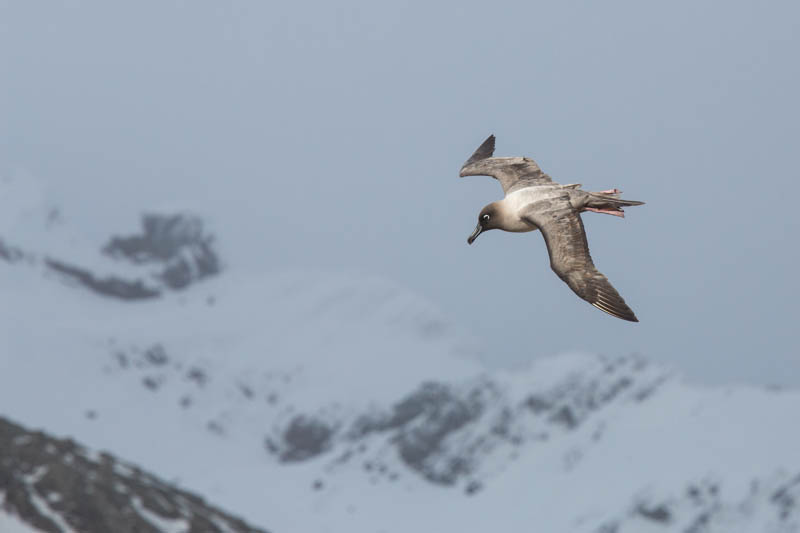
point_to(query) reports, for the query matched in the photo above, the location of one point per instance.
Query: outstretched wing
(565, 236)
(511, 172)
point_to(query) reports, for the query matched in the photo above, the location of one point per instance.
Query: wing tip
(624, 313)
(484, 151)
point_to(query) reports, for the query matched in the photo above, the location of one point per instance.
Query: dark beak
(475, 234)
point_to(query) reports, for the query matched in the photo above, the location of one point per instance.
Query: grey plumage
(512, 172)
(534, 201)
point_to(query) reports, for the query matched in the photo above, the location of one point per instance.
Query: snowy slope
(50, 485)
(12, 524)
(313, 401)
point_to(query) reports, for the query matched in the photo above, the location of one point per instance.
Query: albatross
(534, 201)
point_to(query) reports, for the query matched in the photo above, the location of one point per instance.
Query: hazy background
(330, 134)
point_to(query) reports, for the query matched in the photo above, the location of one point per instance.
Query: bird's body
(513, 205)
(534, 201)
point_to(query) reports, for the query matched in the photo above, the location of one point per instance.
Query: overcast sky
(330, 134)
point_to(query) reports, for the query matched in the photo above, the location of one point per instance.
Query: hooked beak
(475, 234)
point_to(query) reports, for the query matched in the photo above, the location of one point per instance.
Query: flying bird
(534, 201)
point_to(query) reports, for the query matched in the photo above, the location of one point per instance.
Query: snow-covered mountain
(316, 401)
(58, 486)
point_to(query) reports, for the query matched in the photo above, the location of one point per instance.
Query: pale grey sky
(330, 134)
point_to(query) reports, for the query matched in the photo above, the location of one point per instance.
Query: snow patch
(165, 525)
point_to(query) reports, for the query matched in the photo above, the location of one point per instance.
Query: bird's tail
(609, 202)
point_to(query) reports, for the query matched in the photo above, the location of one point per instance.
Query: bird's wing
(511, 172)
(565, 236)
(516, 173)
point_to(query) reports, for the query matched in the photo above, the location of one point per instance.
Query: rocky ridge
(171, 252)
(58, 486)
(770, 504)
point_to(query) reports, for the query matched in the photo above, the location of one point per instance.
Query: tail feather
(606, 200)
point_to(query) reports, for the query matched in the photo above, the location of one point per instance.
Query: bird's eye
(485, 217)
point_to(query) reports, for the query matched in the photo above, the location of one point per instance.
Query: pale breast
(516, 202)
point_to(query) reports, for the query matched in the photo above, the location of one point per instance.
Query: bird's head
(489, 218)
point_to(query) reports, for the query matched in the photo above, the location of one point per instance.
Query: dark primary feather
(485, 150)
(563, 231)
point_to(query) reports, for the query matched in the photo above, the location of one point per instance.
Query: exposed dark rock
(421, 423)
(647, 391)
(787, 498)
(246, 391)
(156, 355)
(700, 523)
(179, 242)
(473, 487)
(305, 437)
(502, 426)
(420, 444)
(12, 254)
(659, 513)
(537, 404)
(215, 427)
(151, 382)
(431, 400)
(175, 248)
(565, 417)
(198, 375)
(609, 394)
(93, 496)
(609, 527)
(122, 359)
(271, 446)
(161, 238)
(109, 286)
(575, 399)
